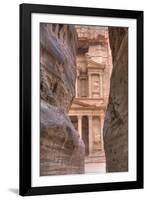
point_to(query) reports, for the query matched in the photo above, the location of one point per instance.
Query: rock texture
(94, 67)
(116, 119)
(61, 149)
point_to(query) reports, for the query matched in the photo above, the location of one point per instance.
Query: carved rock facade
(116, 119)
(61, 149)
(94, 66)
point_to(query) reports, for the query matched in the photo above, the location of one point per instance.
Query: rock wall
(61, 149)
(116, 119)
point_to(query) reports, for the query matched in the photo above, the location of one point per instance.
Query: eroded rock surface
(61, 149)
(116, 119)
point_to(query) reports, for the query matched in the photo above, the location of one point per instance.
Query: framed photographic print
(81, 99)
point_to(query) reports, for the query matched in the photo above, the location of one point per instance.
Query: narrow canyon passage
(84, 99)
(87, 113)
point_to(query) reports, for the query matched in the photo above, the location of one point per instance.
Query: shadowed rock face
(116, 119)
(61, 150)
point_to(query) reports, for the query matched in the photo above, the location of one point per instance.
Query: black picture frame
(25, 187)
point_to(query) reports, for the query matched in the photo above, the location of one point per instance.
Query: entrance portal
(74, 121)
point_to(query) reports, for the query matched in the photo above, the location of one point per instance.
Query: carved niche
(95, 83)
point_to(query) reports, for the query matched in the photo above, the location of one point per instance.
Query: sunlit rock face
(94, 67)
(61, 149)
(116, 119)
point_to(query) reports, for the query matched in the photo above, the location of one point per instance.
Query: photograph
(75, 73)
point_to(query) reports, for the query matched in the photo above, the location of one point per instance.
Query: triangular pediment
(92, 63)
(80, 104)
(75, 105)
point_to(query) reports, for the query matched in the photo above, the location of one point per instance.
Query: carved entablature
(92, 34)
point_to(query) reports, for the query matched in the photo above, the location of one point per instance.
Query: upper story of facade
(94, 66)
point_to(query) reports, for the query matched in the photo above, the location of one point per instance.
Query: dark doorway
(85, 134)
(74, 121)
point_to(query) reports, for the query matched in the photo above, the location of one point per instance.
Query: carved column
(101, 85)
(80, 126)
(89, 85)
(90, 135)
(76, 88)
(101, 130)
(77, 84)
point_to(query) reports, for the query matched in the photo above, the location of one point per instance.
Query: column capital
(79, 116)
(102, 115)
(90, 116)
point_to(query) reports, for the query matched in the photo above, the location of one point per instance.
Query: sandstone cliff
(116, 119)
(61, 149)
